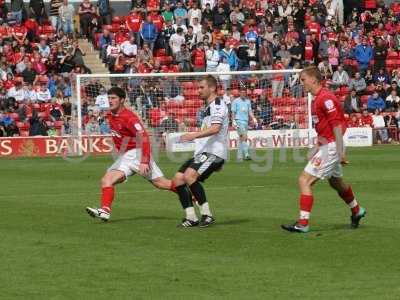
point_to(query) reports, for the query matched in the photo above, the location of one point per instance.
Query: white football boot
(98, 213)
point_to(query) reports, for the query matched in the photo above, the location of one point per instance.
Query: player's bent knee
(112, 178)
(190, 177)
(179, 179)
(306, 180)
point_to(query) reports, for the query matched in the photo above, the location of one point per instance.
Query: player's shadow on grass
(140, 218)
(232, 222)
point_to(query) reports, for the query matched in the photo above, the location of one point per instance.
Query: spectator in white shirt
(176, 40)
(380, 130)
(17, 92)
(392, 101)
(43, 48)
(196, 26)
(102, 100)
(43, 93)
(180, 23)
(129, 48)
(30, 93)
(194, 13)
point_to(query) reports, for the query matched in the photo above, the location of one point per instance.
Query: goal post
(169, 104)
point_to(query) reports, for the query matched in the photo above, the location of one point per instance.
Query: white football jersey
(217, 144)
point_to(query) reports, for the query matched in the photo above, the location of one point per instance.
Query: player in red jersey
(329, 155)
(133, 144)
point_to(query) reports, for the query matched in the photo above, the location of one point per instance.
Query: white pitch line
(132, 192)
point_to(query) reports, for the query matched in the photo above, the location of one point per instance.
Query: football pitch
(51, 249)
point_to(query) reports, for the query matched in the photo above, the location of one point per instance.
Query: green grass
(50, 248)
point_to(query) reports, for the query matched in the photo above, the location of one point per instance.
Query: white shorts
(129, 164)
(325, 163)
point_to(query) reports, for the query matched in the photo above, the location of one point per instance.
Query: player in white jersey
(210, 154)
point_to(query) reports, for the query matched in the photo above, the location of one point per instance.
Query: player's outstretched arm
(214, 129)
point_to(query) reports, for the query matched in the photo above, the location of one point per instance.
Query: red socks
(107, 197)
(306, 203)
(349, 198)
(172, 188)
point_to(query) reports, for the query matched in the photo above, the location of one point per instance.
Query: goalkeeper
(241, 111)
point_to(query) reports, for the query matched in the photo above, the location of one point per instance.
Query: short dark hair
(211, 81)
(115, 90)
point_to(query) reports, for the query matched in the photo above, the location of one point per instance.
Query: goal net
(169, 104)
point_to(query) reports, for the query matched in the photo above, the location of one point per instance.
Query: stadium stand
(355, 44)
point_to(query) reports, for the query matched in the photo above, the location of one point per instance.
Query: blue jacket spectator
(230, 56)
(148, 31)
(375, 102)
(363, 54)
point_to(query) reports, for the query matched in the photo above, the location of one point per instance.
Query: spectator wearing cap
(358, 83)
(229, 54)
(363, 54)
(148, 32)
(375, 102)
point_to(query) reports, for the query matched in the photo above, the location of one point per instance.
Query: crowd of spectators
(39, 58)
(355, 44)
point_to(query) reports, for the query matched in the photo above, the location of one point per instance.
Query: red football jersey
(127, 131)
(327, 113)
(133, 22)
